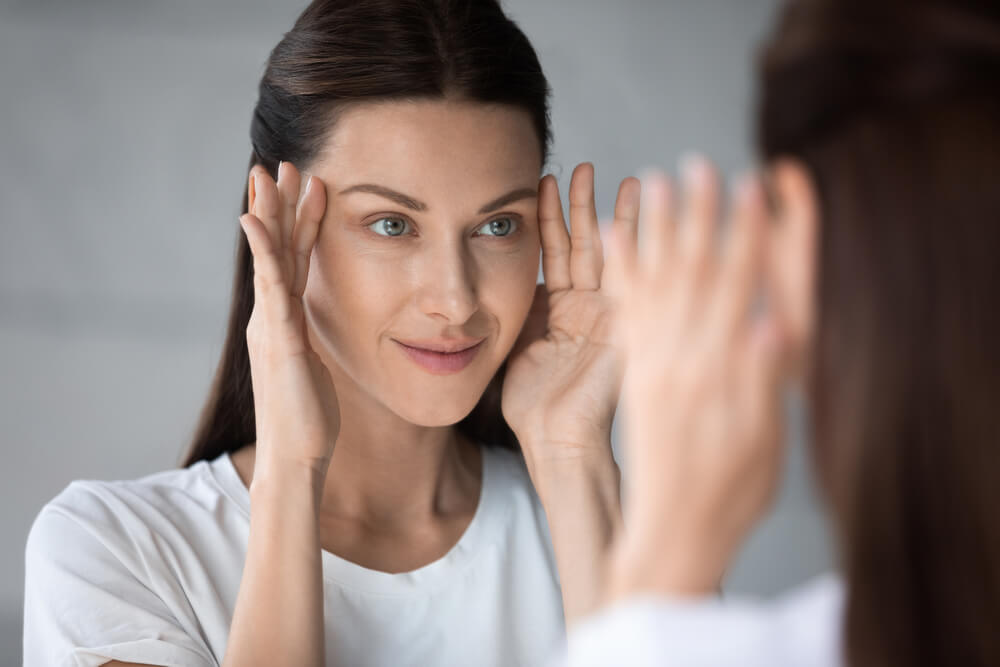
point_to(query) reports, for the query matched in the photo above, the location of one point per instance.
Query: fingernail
(309, 184)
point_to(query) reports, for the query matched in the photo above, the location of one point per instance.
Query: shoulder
(109, 567)
(88, 597)
(810, 618)
(511, 490)
(507, 473)
(124, 516)
(111, 502)
(508, 465)
(824, 592)
(799, 628)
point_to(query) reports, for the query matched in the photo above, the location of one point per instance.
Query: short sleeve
(84, 607)
(648, 632)
(799, 629)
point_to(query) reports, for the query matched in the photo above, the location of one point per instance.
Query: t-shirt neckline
(482, 530)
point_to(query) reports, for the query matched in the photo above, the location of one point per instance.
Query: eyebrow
(416, 205)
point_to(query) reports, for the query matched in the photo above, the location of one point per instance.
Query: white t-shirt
(148, 571)
(801, 628)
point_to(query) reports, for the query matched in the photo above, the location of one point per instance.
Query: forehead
(429, 148)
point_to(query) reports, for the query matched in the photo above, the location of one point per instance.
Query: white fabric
(148, 571)
(799, 629)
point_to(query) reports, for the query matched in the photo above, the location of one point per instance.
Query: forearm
(279, 609)
(581, 497)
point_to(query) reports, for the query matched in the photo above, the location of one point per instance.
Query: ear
(793, 257)
(251, 192)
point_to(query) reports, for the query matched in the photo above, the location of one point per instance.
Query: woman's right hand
(297, 414)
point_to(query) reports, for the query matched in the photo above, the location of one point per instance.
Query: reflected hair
(894, 108)
(345, 52)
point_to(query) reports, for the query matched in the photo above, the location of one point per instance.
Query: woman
(880, 125)
(352, 456)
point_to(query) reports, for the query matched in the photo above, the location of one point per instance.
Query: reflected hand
(701, 395)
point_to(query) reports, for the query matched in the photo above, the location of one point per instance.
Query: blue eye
(499, 227)
(389, 226)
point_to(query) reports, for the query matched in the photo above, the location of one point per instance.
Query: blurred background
(124, 138)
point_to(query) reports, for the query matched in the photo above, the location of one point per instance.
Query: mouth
(441, 357)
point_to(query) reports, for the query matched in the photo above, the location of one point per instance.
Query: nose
(447, 291)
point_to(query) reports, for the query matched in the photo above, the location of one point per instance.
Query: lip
(441, 357)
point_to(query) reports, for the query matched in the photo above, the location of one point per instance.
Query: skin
(702, 471)
(401, 486)
(356, 451)
(702, 415)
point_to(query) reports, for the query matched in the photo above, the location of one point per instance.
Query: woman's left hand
(562, 384)
(564, 374)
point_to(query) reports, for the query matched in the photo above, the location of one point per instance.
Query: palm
(564, 384)
(564, 373)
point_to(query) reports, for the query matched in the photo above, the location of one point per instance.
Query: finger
(288, 194)
(620, 265)
(270, 291)
(266, 205)
(657, 224)
(627, 207)
(742, 260)
(696, 260)
(309, 216)
(554, 237)
(699, 212)
(586, 254)
(760, 385)
(625, 226)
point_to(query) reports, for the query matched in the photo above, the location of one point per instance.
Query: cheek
(349, 294)
(508, 292)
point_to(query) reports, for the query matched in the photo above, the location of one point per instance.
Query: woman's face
(429, 242)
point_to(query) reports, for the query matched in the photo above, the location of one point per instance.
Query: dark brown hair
(342, 52)
(894, 107)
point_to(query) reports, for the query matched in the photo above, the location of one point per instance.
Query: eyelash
(515, 223)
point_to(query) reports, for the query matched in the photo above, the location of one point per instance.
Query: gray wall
(124, 144)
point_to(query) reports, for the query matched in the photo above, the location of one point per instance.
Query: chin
(429, 406)
(432, 417)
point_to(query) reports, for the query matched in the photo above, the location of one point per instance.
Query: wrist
(579, 489)
(558, 469)
(684, 567)
(286, 481)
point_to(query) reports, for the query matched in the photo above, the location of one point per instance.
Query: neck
(387, 470)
